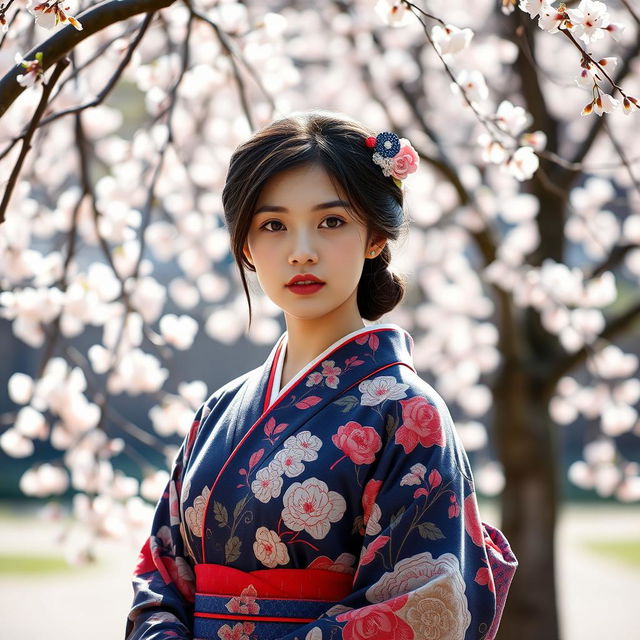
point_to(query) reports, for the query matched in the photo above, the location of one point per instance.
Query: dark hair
(338, 145)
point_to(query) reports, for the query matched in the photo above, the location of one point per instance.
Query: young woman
(324, 494)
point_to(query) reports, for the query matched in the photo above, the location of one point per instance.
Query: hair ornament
(395, 156)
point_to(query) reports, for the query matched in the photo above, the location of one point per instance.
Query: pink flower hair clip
(394, 155)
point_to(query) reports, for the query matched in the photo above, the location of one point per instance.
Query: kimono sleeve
(428, 567)
(163, 580)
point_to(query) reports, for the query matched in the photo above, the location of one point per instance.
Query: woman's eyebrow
(319, 207)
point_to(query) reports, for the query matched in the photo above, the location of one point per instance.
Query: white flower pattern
(267, 485)
(382, 388)
(311, 507)
(306, 443)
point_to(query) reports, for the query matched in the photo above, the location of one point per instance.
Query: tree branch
(613, 327)
(61, 43)
(106, 90)
(567, 178)
(26, 143)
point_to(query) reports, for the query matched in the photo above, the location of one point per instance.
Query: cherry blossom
(393, 12)
(588, 20)
(473, 84)
(449, 39)
(178, 331)
(551, 18)
(34, 70)
(49, 13)
(523, 163)
(533, 7)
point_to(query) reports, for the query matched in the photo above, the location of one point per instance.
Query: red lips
(304, 277)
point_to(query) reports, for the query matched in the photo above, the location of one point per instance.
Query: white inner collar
(276, 392)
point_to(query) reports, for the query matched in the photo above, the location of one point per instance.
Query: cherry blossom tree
(523, 257)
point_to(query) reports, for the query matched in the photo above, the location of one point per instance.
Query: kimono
(341, 506)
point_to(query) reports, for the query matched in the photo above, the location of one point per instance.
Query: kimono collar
(400, 340)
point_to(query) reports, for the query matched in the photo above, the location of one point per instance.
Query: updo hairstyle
(338, 145)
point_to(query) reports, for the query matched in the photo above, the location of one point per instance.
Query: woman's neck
(306, 339)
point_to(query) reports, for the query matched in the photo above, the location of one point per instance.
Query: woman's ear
(376, 244)
(247, 253)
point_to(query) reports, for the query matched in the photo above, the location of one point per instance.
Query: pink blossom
(314, 378)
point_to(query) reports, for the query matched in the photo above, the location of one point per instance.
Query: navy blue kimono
(340, 506)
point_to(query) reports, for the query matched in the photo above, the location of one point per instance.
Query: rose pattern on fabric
(377, 622)
(379, 389)
(267, 485)
(439, 612)
(369, 552)
(413, 572)
(193, 515)
(269, 548)
(359, 443)
(420, 425)
(311, 507)
(437, 606)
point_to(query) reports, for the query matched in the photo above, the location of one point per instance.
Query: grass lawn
(625, 551)
(33, 564)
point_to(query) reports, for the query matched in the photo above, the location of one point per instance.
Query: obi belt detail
(267, 603)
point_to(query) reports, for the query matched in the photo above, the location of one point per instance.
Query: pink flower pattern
(420, 425)
(358, 442)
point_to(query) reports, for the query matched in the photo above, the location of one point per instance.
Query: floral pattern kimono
(341, 506)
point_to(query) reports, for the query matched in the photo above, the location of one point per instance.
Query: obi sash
(267, 603)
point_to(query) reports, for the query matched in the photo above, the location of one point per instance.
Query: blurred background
(121, 307)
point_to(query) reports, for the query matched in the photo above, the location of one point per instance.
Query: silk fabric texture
(351, 478)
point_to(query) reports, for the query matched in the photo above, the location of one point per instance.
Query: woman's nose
(302, 250)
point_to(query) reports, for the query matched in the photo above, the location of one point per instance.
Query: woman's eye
(265, 225)
(333, 226)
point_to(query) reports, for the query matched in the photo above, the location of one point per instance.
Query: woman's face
(303, 225)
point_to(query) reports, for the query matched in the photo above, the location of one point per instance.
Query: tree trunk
(525, 443)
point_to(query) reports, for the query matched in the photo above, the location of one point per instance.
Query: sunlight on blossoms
(521, 247)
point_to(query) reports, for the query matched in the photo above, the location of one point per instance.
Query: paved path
(598, 597)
